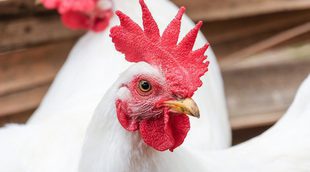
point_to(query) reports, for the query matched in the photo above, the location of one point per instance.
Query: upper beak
(186, 106)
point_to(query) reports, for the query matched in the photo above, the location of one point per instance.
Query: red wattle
(163, 132)
(128, 123)
(166, 132)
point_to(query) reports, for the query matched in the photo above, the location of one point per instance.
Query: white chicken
(142, 123)
(143, 114)
(94, 64)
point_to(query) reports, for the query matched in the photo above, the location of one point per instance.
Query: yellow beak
(186, 106)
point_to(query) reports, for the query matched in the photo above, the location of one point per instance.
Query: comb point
(180, 13)
(199, 24)
(142, 3)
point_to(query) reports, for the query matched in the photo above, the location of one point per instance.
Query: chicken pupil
(145, 85)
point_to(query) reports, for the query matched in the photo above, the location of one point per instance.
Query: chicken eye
(145, 86)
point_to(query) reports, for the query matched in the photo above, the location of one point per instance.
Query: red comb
(177, 60)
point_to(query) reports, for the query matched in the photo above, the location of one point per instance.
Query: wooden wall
(263, 48)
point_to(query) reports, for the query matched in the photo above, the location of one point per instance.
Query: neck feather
(109, 147)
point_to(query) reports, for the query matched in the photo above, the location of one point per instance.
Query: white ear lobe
(123, 93)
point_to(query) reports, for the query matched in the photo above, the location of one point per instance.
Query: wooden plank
(222, 10)
(236, 29)
(222, 35)
(265, 44)
(264, 89)
(254, 120)
(227, 37)
(22, 101)
(244, 134)
(265, 85)
(19, 118)
(9, 7)
(197, 9)
(223, 50)
(25, 75)
(31, 31)
(27, 68)
(281, 55)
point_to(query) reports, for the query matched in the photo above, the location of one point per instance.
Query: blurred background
(263, 47)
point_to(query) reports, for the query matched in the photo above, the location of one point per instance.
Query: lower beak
(186, 106)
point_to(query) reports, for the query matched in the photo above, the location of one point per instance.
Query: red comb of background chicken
(177, 60)
(82, 14)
